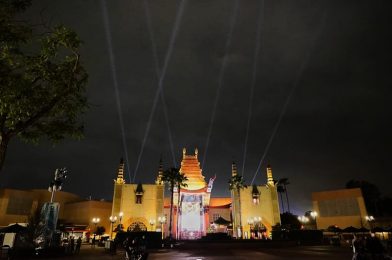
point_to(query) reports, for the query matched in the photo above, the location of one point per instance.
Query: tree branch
(20, 127)
(3, 118)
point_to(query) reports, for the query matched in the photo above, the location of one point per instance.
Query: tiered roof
(190, 166)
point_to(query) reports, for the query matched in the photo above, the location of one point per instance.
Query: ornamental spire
(270, 179)
(120, 173)
(160, 172)
(234, 169)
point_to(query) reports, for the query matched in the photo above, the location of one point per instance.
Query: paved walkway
(223, 251)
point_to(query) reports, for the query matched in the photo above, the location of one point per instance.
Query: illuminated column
(118, 190)
(270, 179)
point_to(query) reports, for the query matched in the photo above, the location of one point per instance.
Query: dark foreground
(223, 250)
(252, 251)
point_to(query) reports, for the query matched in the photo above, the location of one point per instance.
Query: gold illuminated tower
(120, 173)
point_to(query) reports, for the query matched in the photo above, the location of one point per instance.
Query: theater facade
(248, 213)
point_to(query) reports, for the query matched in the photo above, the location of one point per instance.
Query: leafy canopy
(236, 182)
(174, 178)
(42, 80)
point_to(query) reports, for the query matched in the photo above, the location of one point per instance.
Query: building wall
(83, 212)
(220, 207)
(342, 208)
(267, 208)
(17, 205)
(149, 209)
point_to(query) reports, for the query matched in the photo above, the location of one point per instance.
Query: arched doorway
(137, 226)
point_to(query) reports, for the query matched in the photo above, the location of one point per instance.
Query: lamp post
(370, 220)
(250, 222)
(113, 220)
(56, 184)
(120, 216)
(152, 223)
(162, 220)
(314, 216)
(95, 221)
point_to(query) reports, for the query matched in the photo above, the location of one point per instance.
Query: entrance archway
(137, 226)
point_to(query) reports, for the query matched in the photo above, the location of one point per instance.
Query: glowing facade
(193, 213)
(255, 209)
(252, 210)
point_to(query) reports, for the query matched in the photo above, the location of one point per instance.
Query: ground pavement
(223, 251)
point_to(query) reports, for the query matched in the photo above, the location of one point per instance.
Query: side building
(341, 208)
(16, 206)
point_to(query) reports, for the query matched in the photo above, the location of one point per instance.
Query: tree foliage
(33, 224)
(100, 230)
(174, 178)
(42, 80)
(282, 188)
(289, 221)
(236, 182)
(376, 204)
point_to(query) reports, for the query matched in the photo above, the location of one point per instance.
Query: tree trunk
(3, 149)
(281, 201)
(287, 199)
(239, 205)
(178, 209)
(171, 210)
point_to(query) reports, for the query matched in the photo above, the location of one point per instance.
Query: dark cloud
(336, 126)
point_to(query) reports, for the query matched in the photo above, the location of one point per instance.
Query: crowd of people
(71, 246)
(368, 248)
(135, 248)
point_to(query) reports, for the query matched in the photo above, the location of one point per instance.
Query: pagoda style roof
(220, 202)
(190, 166)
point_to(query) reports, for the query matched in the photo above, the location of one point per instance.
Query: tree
(181, 182)
(236, 183)
(33, 224)
(284, 182)
(289, 221)
(100, 231)
(42, 81)
(370, 192)
(171, 177)
(281, 190)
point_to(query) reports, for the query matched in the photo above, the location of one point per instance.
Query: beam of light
(293, 88)
(158, 73)
(253, 83)
(221, 75)
(161, 79)
(112, 62)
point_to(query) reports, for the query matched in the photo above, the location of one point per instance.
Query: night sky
(324, 66)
